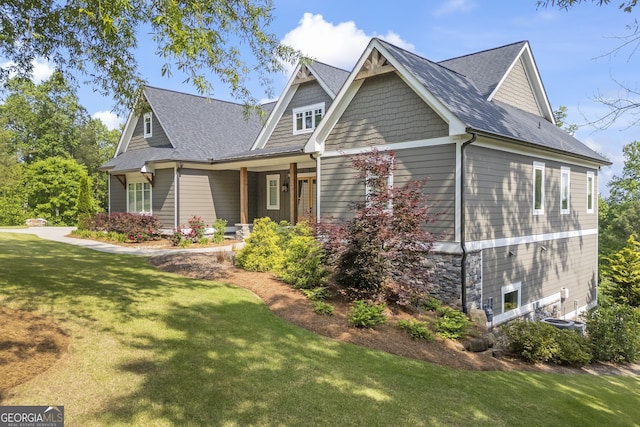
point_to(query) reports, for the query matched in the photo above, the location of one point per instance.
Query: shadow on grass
(213, 354)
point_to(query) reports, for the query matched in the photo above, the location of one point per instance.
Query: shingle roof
(334, 77)
(485, 68)
(465, 100)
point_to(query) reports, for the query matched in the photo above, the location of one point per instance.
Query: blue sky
(570, 49)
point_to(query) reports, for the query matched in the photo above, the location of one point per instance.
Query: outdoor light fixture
(285, 187)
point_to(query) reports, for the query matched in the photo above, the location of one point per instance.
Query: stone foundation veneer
(446, 270)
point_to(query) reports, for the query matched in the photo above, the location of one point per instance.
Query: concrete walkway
(59, 234)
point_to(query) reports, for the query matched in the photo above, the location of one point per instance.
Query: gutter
(463, 278)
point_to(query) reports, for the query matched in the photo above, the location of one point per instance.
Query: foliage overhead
(626, 6)
(98, 40)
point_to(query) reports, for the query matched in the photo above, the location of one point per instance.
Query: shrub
(622, 269)
(219, 226)
(316, 294)
(262, 251)
(451, 324)
(431, 304)
(323, 308)
(614, 332)
(367, 315)
(303, 263)
(136, 228)
(541, 342)
(417, 330)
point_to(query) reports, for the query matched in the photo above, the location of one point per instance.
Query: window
(538, 188)
(148, 125)
(139, 197)
(305, 119)
(565, 189)
(273, 192)
(511, 296)
(591, 193)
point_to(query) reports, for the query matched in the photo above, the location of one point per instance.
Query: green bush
(262, 250)
(316, 294)
(219, 226)
(303, 265)
(323, 308)
(367, 315)
(431, 304)
(614, 332)
(451, 324)
(417, 330)
(541, 342)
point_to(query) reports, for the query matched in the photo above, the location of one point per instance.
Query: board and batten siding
(436, 163)
(516, 90)
(163, 197)
(158, 139)
(570, 263)
(499, 192)
(210, 195)
(117, 196)
(385, 110)
(307, 94)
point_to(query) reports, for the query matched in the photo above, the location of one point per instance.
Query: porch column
(293, 193)
(244, 196)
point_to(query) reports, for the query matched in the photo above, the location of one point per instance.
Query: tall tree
(98, 40)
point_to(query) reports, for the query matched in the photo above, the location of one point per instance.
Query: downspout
(463, 279)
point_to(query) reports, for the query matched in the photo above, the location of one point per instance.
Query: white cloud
(42, 70)
(110, 119)
(454, 6)
(339, 44)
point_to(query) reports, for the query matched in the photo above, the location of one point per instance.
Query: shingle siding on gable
(138, 141)
(385, 110)
(163, 197)
(499, 196)
(437, 164)
(306, 94)
(516, 90)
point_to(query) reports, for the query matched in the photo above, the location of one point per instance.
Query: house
(516, 195)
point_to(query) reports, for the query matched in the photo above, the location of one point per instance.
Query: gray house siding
(499, 196)
(196, 195)
(117, 196)
(163, 197)
(278, 215)
(158, 139)
(516, 90)
(385, 110)
(306, 94)
(570, 263)
(436, 163)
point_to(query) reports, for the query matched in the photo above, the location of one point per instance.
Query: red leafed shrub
(137, 228)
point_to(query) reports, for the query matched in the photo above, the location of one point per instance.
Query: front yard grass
(153, 348)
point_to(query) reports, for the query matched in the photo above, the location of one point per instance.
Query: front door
(307, 198)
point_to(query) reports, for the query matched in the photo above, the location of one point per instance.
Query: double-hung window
(148, 125)
(273, 192)
(305, 119)
(565, 189)
(538, 188)
(139, 197)
(591, 192)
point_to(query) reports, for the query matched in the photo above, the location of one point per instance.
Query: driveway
(59, 234)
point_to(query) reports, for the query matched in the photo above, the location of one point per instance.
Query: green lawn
(154, 349)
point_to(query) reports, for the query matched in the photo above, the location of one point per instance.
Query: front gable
(139, 140)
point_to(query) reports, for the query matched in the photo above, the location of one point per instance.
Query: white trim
(395, 146)
(535, 238)
(176, 177)
(522, 310)
(127, 132)
(538, 166)
(565, 171)
(276, 205)
(145, 117)
(140, 180)
(457, 215)
(277, 112)
(594, 193)
(507, 289)
(304, 110)
(318, 189)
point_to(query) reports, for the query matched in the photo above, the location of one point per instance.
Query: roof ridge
(205, 98)
(483, 51)
(315, 61)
